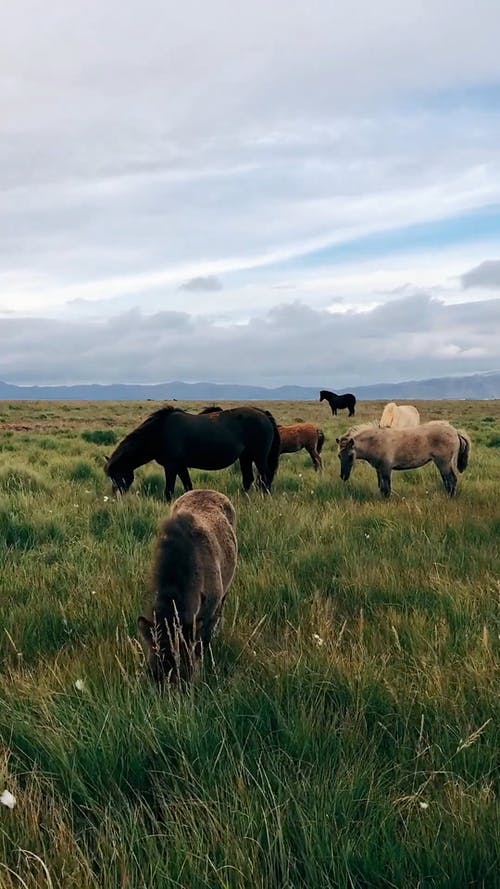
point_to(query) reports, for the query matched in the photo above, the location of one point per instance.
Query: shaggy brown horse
(338, 402)
(303, 435)
(388, 449)
(194, 568)
(178, 440)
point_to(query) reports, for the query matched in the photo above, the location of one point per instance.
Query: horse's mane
(388, 413)
(147, 425)
(174, 567)
(360, 427)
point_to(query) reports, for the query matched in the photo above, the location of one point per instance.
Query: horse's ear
(145, 629)
(350, 443)
(337, 440)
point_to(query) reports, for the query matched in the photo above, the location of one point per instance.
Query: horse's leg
(246, 471)
(185, 478)
(449, 478)
(315, 457)
(210, 623)
(263, 478)
(384, 481)
(170, 477)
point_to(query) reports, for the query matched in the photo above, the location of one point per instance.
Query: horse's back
(213, 440)
(297, 436)
(207, 505)
(213, 519)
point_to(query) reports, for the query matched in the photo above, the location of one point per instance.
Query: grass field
(347, 732)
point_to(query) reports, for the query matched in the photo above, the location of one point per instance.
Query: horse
(399, 416)
(211, 409)
(388, 449)
(303, 435)
(338, 402)
(194, 568)
(178, 441)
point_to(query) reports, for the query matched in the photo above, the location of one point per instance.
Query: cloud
(411, 337)
(269, 151)
(485, 275)
(171, 149)
(208, 283)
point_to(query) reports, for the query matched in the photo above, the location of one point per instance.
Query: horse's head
(325, 394)
(121, 475)
(168, 660)
(347, 456)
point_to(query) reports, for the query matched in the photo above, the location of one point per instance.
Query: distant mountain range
(480, 386)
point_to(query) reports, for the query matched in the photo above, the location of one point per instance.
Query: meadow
(345, 732)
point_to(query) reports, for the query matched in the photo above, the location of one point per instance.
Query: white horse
(399, 416)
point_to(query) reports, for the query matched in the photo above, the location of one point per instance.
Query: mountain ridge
(480, 385)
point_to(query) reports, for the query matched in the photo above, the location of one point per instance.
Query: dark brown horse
(339, 402)
(303, 435)
(179, 441)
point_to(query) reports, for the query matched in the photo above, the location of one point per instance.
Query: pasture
(346, 733)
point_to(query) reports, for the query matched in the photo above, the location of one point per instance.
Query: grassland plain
(346, 733)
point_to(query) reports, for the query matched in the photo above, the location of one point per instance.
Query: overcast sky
(260, 192)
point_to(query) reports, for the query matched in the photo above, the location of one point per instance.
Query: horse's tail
(321, 440)
(273, 458)
(463, 451)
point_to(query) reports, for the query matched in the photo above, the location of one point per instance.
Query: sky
(269, 193)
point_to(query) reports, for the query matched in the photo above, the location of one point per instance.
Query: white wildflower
(80, 685)
(105, 499)
(93, 593)
(8, 799)
(367, 536)
(318, 640)
(423, 805)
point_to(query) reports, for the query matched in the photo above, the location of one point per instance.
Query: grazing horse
(399, 416)
(178, 440)
(338, 402)
(303, 435)
(388, 449)
(211, 409)
(195, 565)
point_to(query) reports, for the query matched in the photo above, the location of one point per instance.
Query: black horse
(178, 440)
(338, 402)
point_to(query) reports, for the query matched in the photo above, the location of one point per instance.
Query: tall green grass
(345, 732)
